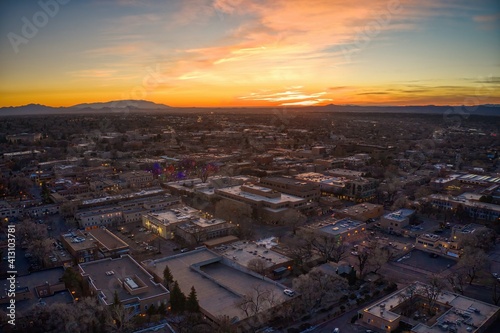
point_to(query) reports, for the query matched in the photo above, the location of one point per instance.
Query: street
(343, 323)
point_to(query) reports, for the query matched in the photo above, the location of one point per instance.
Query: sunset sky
(250, 53)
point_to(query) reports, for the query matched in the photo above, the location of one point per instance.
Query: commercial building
(328, 184)
(42, 288)
(24, 137)
(308, 191)
(93, 244)
(350, 174)
(137, 179)
(258, 257)
(433, 243)
(396, 221)
(105, 216)
(360, 189)
(454, 312)
(134, 286)
(199, 229)
(469, 203)
(343, 230)
(126, 209)
(272, 202)
(187, 223)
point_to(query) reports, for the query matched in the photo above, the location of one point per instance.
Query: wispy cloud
(288, 97)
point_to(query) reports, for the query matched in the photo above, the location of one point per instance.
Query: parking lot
(425, 261)
(144, 244)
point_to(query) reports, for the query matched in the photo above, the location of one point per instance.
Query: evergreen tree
(177, 299)
(151, 311)
(167, 277)
(192, 301)
(116, 300)
(162, 310)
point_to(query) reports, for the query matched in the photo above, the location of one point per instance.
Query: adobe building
(454, 312)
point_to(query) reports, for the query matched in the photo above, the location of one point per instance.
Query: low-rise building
(308, 191)
(190, 224)
(350, 174)
(124, 277)
(90, 245)
(105, 216)
(137, 179)
(468, 202)
(360, 189)
(361, 212)
(273, 203)
(258, 257)
(200, 229)
(343, 230)
(433, 243)
(396, 221)
(37, 288)
(24, 137)
(455, 313)
(8, 211)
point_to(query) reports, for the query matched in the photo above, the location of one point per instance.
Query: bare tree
(299, 249)
(362, 261)
(245, 304)
(378, 256)
(431, 291)
(472, 262)
(319, 289)
(409, 300)
(331, 249)
(294, 219)
(457, 281)
(483, 239)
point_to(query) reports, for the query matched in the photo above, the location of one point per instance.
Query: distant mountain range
(138, 106)
(460, 110)
(122, 104)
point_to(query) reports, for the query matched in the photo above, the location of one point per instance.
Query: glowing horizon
(225, 53)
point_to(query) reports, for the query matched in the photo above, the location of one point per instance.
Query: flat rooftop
(285, 180)
(119, 197)
(283, 198)
(338, 227)
(399, 215)
(108, 274)
(218, 285)
(244, 252)
(78, 241)
(107, 239)
(175, 215)
(471, 314)
(360, 208)
(345, 172)
(34, 279)
(99, 211)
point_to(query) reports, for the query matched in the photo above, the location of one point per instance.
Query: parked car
(289, 292)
